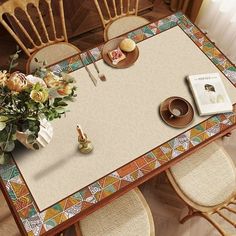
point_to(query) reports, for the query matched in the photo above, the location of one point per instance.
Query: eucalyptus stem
(4, 98)
(10, 66)
(8, 137)
(13, 58)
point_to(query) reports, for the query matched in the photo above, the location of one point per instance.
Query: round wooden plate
(131, 57)
(175, 122)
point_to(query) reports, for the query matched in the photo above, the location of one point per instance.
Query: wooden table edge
(136, 183)
(69, 222)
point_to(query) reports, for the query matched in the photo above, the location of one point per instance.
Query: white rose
(34, 80)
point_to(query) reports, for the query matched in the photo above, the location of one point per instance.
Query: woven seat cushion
(52, 54)
(128, 215)
(206, 177)
(125, 24)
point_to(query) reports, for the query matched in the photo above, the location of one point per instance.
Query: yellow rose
(17, 82)
(65, 89)
(3, 78)
(39, 96)
(52, 80)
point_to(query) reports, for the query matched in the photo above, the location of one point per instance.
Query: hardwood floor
(167, 208)
(7, 224)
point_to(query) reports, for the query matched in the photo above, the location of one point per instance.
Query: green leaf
(14, 56)
(9, 146)
(60, 109)
(35, 129)
(2, 126)
(61, 103)
(31, 118)
(3, 136)
(37, 86)
(31, 123)
(2, 159)
(3, 118)
(14, 65)
(31, 139)
(24, 126)
(70, 99)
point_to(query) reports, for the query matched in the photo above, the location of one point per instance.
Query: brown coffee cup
(178, 108)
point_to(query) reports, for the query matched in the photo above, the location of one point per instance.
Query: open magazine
(210, 94)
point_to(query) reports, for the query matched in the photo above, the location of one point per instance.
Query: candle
(81, 133)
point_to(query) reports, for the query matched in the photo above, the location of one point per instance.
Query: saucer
(112, 44)
(175, 122)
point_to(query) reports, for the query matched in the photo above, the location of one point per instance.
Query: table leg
(77, 229)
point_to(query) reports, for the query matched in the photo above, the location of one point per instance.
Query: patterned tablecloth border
(37, 223)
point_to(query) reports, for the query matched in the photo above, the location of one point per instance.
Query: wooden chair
(128, 215)
(38, 30)
(119, 21)
(206, 181)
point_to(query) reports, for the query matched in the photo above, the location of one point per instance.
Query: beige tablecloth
(120, 116)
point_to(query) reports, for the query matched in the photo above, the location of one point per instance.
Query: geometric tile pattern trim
(37, 223)
(199, 38)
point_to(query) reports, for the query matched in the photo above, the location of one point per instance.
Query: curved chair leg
(227, 135)
(221, 231)
(188, 216)
(59, 234)
(192, 213)
(77, 229)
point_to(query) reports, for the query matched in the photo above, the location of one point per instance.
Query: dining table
(51, 189)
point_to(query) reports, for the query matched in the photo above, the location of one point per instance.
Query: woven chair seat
(207, 177)
(51, 54)
(128, 215)
(124, 25)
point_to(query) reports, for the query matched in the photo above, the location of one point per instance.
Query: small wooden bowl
(130, 59)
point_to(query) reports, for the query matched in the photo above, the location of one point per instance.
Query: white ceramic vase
(44, 136)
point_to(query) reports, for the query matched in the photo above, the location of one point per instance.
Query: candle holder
(85, 145)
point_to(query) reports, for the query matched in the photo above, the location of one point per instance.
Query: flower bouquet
(26, 100)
